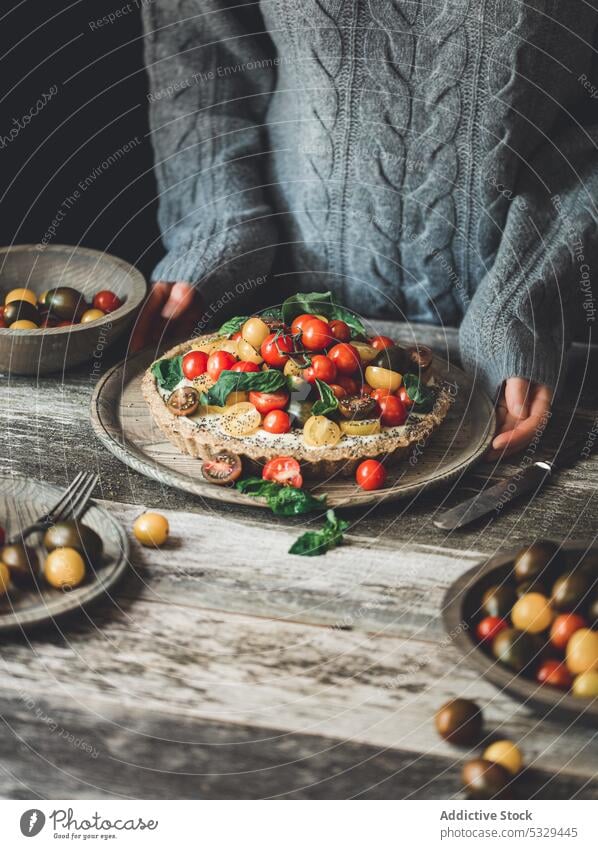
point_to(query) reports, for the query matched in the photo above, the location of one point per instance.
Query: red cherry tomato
(2, 321)
(285, 470)
(244, 366)
(106, 301)
(275, 348)
(378, 394)
(316, 335)
(340, 330)
(236, 336)
(563, 628)
(350, 385)
(402, 394)
(339, 391)
(366, 389)
(555, 673)
(277, 421)
(370, 475)
(2, 535)
(194, 363)
(65, 323)
(321, 368)
(393, 411)
(299, 323)
(380, 343)
(219, 361)
(264, 402)
(345, 357)
(489, 627)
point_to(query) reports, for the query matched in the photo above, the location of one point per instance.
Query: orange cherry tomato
(563, 628)
(277, 421)
(380, 343)
(275, 349)
(393, 411)
(194, 364)
(321, 368)
(218, 362)
(340, 330)
(244, 366)
(370, 475)
(299, 323)
(285, 470)
(264, 402)
(345, 357)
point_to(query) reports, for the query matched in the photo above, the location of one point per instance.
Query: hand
(170, 309)
(522, 410)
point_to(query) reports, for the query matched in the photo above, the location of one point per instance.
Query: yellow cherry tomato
(505, 753)
(582, 652)
(585, 686)
(23, 324)
(366, 352)
(151, 529)
(319, 431)
(203, 382)
(254, 331)
(4, 579)
(247, 352)
(291, 369)
(240, 419)
(383, 378)
(236, 398)
(360, 427)
(64, 568)
(21, 295)
(532, 613)
(91, 315)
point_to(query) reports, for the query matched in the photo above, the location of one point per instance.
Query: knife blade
(495, 498)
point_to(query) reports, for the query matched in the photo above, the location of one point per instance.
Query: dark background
(92, 115)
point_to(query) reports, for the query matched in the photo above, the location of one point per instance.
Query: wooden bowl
(60, 348)
(461, 612)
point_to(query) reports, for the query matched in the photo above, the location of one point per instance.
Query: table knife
(495, 498)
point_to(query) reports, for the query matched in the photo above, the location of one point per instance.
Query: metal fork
(71, 505)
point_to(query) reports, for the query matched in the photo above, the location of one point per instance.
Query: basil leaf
(282, 500)
(272, 312)
(168, 373)
(423, 396)
(314, 543)
(320, 303)
(328, 402)
(232, 325)
(240, 381)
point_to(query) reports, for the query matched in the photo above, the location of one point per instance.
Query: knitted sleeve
(211, 70)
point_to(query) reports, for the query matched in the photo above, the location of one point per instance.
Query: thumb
(517, 391)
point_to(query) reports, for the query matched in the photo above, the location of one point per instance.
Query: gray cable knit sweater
(430, 160)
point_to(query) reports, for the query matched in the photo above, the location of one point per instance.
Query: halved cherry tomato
(106, 301)
(402, 394)
(245, 366)
(277, 421)
(285, 470)
(555, 673)
(219, 361)
(563, 628)
(275, 349)
(264, 402)
(339, 391)
(316, 335)
(194, 363)
(350, 385)
(340, 330)
(299, 323)
(321, 368)
(222, 468)
(370, 475)
(489, 627)
(345, 357)
(393, 411)
(380, 343)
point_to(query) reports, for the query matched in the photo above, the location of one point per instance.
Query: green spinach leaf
(328, 402)
(168, 372)
(423, 396)
(232, 325)
(239, 381)
(314, 543)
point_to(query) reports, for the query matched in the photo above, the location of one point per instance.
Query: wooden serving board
(22, 501)
(122, 422)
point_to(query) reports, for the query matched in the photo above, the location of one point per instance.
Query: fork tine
(70, 503)
(84, 498)
(55, 508)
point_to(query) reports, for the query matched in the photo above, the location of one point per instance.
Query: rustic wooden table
(224, 667)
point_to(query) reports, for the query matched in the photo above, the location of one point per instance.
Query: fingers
(513, 433)
(517, 391)
(180, 299)
(148, 321)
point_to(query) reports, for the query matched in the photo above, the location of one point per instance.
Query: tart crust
(328, 461)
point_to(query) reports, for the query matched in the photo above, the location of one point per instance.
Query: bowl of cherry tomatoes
(61, 306)
(528, 622)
